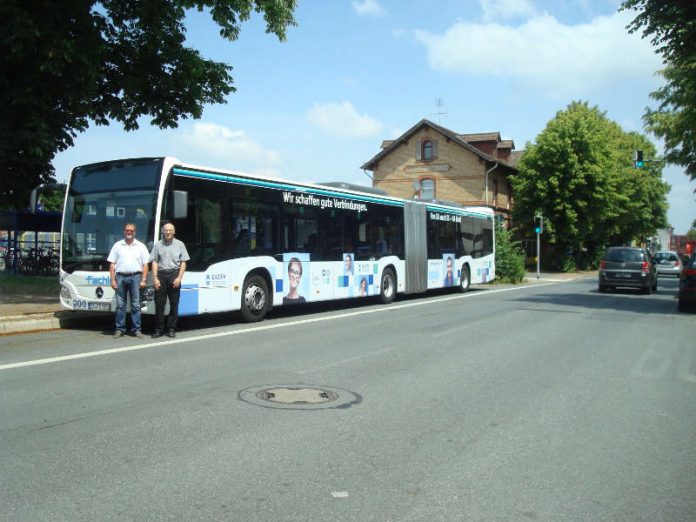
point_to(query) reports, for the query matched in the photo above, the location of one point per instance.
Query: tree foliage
(509, 257)
(580, 175)
(65, 64)
(671, 27)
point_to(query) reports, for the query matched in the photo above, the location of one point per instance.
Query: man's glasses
(294, 273)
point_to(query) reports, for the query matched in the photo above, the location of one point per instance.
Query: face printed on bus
(363, 286)
(349, 265)
(449, 266)
(294, 275)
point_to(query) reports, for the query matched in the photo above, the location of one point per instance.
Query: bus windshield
(102, 198)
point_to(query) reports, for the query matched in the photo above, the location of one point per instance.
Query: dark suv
(627, 267)
(687, 284)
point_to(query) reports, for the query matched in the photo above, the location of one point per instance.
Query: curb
(41, 322)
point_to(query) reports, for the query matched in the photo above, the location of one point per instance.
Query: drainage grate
(299, 397)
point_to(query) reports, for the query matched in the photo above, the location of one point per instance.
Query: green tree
(65, 64)
(671, 27)
(579, 174)
(509, 257)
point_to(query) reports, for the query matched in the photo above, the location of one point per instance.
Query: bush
(509, 257)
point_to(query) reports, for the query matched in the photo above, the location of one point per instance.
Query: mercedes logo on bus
(99, 292)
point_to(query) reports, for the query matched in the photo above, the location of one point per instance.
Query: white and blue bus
(257, 242)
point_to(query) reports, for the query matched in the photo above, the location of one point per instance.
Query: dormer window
(426, 150)
(427, 154)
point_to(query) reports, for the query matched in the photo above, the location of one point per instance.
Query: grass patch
(28, 285)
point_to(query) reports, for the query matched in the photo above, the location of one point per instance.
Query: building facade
(431, 162)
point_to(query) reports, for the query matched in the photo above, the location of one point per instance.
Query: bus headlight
(65, 293)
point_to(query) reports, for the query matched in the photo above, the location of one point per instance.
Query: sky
(355, 72)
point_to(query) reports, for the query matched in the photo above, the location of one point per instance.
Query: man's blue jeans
(125, 286)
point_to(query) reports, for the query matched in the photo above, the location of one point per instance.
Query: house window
(427, 154)
(426, 150)
(427, 188)
(495, 192)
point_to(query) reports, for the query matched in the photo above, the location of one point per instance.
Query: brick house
(431, 162)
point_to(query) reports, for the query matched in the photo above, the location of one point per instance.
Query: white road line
(261, 327)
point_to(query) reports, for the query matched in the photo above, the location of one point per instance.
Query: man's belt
(127, 274)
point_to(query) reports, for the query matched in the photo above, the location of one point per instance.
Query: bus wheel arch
(465, 278)
(387, 285)
(256, 296)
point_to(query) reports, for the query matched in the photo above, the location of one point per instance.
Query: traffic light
(639, 159)
(538, 224)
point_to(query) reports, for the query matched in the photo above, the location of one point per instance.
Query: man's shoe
(138, 334)
(171, 333)
(157, 333)
(117, 334)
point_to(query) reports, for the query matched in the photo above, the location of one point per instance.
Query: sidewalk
(36, 313)
(558, 277)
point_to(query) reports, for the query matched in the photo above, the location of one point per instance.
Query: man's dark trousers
(167, 290)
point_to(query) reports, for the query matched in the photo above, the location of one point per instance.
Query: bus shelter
(17, 223)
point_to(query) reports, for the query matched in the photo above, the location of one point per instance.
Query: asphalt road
(546, 402)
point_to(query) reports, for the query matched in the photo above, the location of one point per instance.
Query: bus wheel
(387, 287)
(255, 299)
(464, 280)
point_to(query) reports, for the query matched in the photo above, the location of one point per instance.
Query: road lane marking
(262, 327)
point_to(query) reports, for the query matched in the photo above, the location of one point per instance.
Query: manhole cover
(299, 397)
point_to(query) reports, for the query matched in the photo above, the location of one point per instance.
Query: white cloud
(501, 9)
(368, 8)
(234, 146)
(545, 54)
(343, 120)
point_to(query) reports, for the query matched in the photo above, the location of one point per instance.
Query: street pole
(538, 228)
(538, 252)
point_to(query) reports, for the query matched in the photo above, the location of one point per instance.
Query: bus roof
(328, 188)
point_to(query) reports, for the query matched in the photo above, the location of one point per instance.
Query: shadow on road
(625, 300)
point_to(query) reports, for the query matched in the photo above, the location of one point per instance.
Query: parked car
(629, 267)
(668, 263)
(687, 284)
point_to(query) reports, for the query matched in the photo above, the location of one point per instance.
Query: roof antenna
(440, 103)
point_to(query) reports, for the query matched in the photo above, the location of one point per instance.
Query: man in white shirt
(129, 259)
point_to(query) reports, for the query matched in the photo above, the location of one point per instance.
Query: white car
(667, 263)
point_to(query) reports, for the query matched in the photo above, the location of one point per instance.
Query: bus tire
(255, 299)
(387, 286)
(465, 279)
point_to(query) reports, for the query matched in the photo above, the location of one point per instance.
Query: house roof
(390, 145)
(480, 136)
(514, 158)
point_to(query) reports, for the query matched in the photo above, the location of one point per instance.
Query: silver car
(667, 263)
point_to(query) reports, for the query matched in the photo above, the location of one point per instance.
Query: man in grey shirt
(169, 257)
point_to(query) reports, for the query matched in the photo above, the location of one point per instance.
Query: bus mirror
(180, 204)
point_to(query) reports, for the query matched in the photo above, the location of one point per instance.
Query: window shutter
(418, 151)
(434, 149)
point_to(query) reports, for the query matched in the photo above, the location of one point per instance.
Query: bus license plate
(99, 307)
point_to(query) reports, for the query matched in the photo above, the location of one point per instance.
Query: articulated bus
(256, 242)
